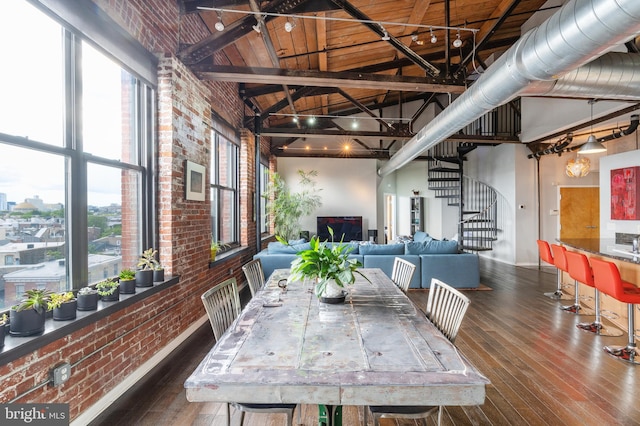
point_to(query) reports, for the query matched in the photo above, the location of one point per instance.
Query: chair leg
(365, 414)
(575, 308)
(627, 353)
(440, 415)
(558, 294)
(228, 409)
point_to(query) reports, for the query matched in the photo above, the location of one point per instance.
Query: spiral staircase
(476, 202)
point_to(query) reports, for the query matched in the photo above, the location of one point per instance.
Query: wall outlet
(60, 374)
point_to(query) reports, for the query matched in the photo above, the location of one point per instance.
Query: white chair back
(402, 273)
(222, 304)
(446, 307)
(255, 275)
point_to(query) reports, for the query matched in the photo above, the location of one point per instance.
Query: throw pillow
(382, 249)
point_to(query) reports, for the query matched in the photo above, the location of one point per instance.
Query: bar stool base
(577, 309)
(558, 295)
(599, 329)
(623, 353)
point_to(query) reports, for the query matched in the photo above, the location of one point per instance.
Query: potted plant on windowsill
(328, 265)
(64, 306)
(216, 246)
(87, 299)
(27, 318)
(144, 273)
(3, 324)
(108, 290)
(127, 279)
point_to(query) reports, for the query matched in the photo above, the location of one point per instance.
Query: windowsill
(16, 347)
(227, 255)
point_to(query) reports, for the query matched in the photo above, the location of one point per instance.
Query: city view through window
(66, 169)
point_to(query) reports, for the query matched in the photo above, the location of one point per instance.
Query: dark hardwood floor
(543, 370)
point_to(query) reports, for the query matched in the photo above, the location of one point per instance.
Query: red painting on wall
(625, 187)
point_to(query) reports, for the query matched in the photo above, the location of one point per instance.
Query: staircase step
(479, 238)
(445, 170)
(471, 212)
(443, 179)
(444, 188)
(484, 229)
(476, 248)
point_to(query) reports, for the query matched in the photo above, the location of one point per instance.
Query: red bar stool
(607, 279)
(581, 271)
(547, 256)
(560, 260)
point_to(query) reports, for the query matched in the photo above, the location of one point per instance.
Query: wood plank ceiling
(335, 62)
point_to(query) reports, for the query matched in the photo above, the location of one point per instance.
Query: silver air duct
(579, 32)
(614, 75)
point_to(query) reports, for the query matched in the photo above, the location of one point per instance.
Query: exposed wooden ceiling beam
(325, 79)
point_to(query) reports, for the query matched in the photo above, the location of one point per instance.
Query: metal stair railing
(478, 228)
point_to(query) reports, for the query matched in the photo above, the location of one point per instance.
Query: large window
(71, 140)
(264, 185)
(224, 190)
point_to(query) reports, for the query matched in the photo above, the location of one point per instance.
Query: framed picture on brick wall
(194, 185)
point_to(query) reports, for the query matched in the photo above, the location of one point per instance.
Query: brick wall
(106, 352)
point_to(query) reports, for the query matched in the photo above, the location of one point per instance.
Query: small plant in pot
(328, 265)
(64, 306)
(108, 290)
(158, 272)
(87, 299)
(127, 279)
(216, 246)
(27, 318)
(4, 320)
(144, 273)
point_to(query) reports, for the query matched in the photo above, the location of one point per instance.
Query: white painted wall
(349, 187)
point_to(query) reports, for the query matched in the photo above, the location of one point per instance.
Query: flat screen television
(349, 226)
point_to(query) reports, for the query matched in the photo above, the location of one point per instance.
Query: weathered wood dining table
(376, 348)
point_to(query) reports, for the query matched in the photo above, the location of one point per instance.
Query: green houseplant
(146, 263)
(216, 246)
(286, 207)
(127, 278)
(3, 324)
(27, 318)
(87, 299)
(63, 306)
(326, 263)
(108, 289)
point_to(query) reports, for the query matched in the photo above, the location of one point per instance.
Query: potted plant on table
(127, 278)
(87, 299)
(329, 265)
(144, 273)
(27, 318)
(108, 290)
(63, 306)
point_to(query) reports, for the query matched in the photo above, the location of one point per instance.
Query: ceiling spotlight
(288, 27)
(434, 39)
(295, 118)
(354, 124)
(457, 42)
(311, 120)
(219, 26)
(386, 37)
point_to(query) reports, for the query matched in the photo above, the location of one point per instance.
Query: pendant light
(592, 146)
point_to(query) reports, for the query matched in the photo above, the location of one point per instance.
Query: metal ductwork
(614, 75)
(579, 32)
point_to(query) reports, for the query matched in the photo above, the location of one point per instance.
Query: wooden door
(579, 212)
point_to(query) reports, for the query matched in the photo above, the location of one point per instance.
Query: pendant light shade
(578, 167)
(592, 146)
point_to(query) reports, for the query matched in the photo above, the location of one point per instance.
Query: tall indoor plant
(328, 264)
(286, 207)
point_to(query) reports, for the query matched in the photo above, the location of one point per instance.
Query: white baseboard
(96, 409)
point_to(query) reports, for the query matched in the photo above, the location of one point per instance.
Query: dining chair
(222, 304)
(255, 275)
(446, 308)
(402, 273)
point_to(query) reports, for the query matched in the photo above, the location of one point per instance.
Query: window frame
(216, 189)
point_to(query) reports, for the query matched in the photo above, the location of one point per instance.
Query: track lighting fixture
(457, 42)
(434, 39)
(219, 26)
(386, 37)
(256, 28)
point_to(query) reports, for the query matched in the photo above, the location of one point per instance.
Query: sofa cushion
(382, 249)
(277, 247)
(420, 236)
(431, 247)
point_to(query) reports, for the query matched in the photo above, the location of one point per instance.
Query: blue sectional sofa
(433, 259)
